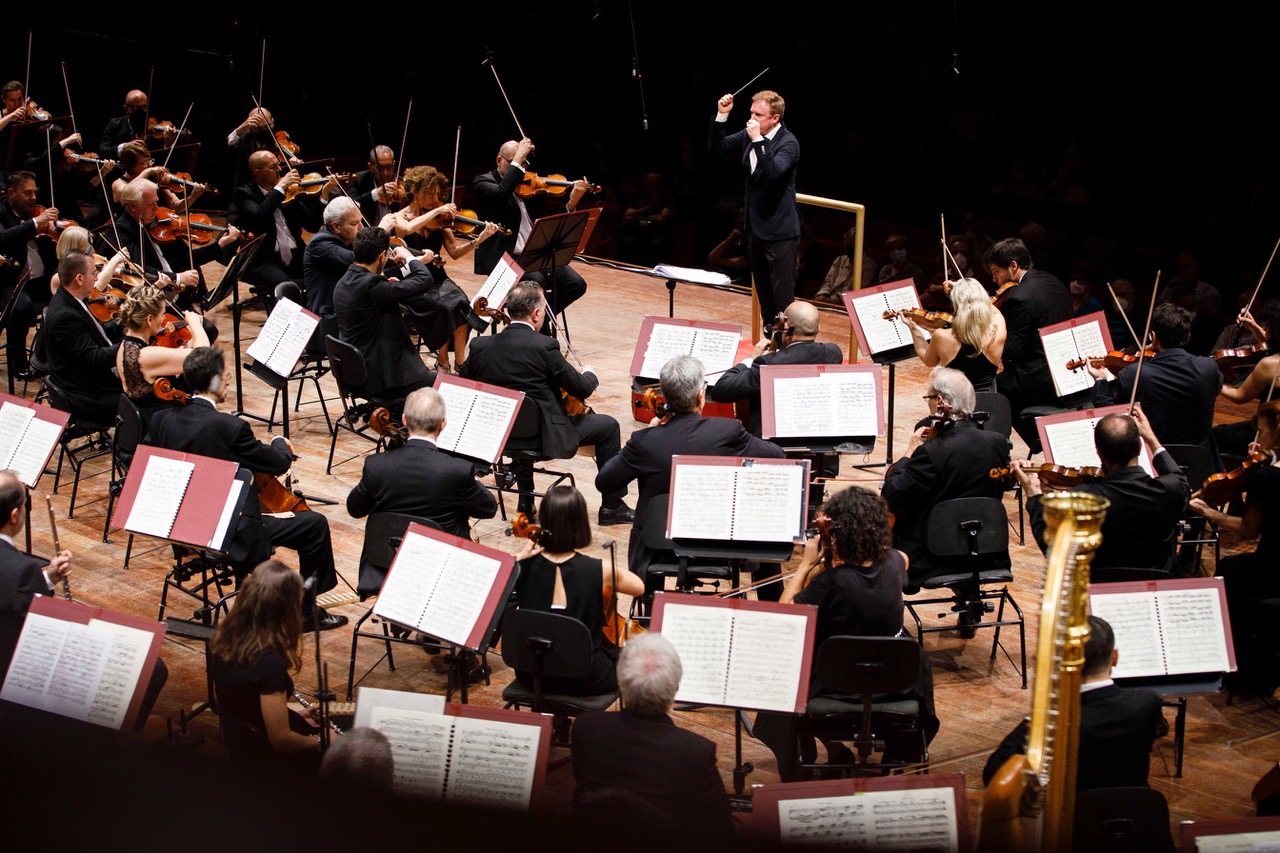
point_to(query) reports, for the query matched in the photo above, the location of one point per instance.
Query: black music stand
(890, 358)
(7, 310)
(553, 242)
(230, 286)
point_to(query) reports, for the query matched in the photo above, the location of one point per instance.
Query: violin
(105, 305)
(31, 112)
(1051, 476)
(287, 144)
(825, 527)
(779, 332)
(54, 229)
(931, 320)
(437, 261)
(532, 184)
(1222, 488)
(1003, 293)
(174, 333)
(651, 399)
(1228, 359)
(168, 226)
(464, 222)
(157, 129)
(522, 527)
(312, 183)
(1114, 361)
(482, 309)
(180, 182)
(381, 423)
(89, 161)
(164, 389)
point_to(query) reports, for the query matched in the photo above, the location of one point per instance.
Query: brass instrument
(1041, 785)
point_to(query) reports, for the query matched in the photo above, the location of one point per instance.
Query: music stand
(7, 310)
(230, 286)
(553, 242)
(889, 358)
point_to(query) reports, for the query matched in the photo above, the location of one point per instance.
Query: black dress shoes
(328, 621)
(621, 514)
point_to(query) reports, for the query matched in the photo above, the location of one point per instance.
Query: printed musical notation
(26, 441)
(283, 337)
(1166, 631)
(715, 348)
(830, 404)
(909, 819)
(477, 422)
(164, 483)
(1072, 341)
(748, 503)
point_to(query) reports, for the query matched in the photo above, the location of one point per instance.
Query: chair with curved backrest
(991, 412)
(548, 645)
(975, 530)
(859, 677)
(1118, 820)
(347, 365)
(1197, 463)
(311, 365)
(130, 430)
(93, 437)
(516, 455)
(689, 572)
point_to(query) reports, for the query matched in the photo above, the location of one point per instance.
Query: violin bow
(26, 84)
(151, 81)
(48, 144)
(1142, 345)
(1120, 308)
(257, 105)
(612, 615)
(71, 110)
(1261, 278)
(947, 251)
(457, 146)
(262, 75)
(57, 545)
(942, 218)
(343, 190)
(488, 61)
(181, 128)
(749, 82)
(404, 138)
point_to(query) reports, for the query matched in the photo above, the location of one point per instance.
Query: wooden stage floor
(1228, 746)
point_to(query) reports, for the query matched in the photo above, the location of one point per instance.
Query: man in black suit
(521, 359)
(496, 201)
(22, 577)
(79, 352)
(375, 190)
(420, 479)
(18, 227)
(132, 125)
(199, 427)
(1141, 525)
(326, 259)
(369, 318)
(742, 381)
(1117, 725)
(1177, 390)
(637, 767)
(954, 463)
(647, 456)
(1035, 299)
(770, 154)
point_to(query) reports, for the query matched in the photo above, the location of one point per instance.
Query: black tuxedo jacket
(1140, 531)
(647, 457)
(523, 360)
(324, 262)
(253, 210)
(368, 310)
(954, 464)
(21, 579)
(652, 758)
(770, 194)
(496, 202)
(80, 358)
(117, 132)
(1177, 392)
(14, 234)
(741, 382)
(420, 479)
(1037, 301)
(200, 428)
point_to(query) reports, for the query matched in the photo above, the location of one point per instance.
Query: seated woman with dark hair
(556, 577)
(254, 648)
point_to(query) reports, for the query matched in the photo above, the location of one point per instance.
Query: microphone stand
(323, 694)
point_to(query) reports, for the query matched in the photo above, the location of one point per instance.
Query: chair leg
(333, 443)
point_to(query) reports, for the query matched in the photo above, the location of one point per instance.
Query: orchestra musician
(198, 427)
(136, 162)
(521, 359)
(368, 310)
(130, 126)
(76, 239)
(974, 345)
(1233, 439)
(325, 260)
(19, 225)
(75, 184)
(443, 313)
(648, 452)
(139, 362)
(79, 352)
(376, 189)
(555, 576)
(1034, 299)
(951, 459)
(1141, 528)
(255, 133)
(13, 98)
(497, 201)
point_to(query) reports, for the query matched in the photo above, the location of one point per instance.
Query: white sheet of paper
(882, 334)
(701, 636)
(1239, 842)
(830, 404)
(767, 503)
(665, 343)
(34, 659)
(1070, 345)
(125, 659)
(283, 337)
(459, 596)
(34, 450)
(159, 496)
(764, 665)
(228, 513)
(412, 580)
(1194, 640)
(1071, 444)
(1132, 617)
(419, 749)
(493, 763)
(13, 425)
(498, 285)
(702, 502)
(911, 819)
(697, 276)
(476, 422)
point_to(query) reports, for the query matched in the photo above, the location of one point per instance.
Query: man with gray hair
(326, 259)
(640, 763)
(949, 458)
(647, 454)
(419, 479)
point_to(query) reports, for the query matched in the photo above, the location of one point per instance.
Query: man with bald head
(123, 129)
(375, 189)
(496, 201)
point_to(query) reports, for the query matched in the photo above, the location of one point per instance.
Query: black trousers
(308, 534)
(599, 430)
(773, 266)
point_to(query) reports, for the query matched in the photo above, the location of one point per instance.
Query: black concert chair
(860, 677)
(311, 366)
(1118, 820)
(689, 572)
(82, 441)
(519, 454)
(130, 430)
(1197, 531)
(347, 365)
(991, 412)
(548, 645)
(976, 529)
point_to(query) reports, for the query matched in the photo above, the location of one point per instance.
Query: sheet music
(417, 569)
(830, 404)
(499, 283)
(126, 656)
(701, 636)
(1070, 443)
(33, 450)
(702, 502)
(665, 343)
(910, 819)
(1194, 640)
(1133, 620)
(493, 763)
(159, 496)
(368, 698)
(1071, 345)
(882, 334)
(14, 420)
(419, 749)
(61, 666)
(460, 594)
(476, 421)
(1239, 842)
(764, 668)
(716, 350)
(283, 337)
(34, 660)
(228, 513)
(767, 502)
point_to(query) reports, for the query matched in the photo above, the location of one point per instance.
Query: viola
(289, 146)
(393, 431)
(931, 320)
(89, 161)
(169, 226)
(312, 183)
(522, 527)
(1051, 475)
(1114, 361)
(157, 129)
(54, 229)
(464, 222)
(1003, 293)
(105, 305)
(174, 333)
(164, 389)
(482, 309)
(180, 182)
(651, 399)
(1222, 488)
(532, 184)
(1227, 359)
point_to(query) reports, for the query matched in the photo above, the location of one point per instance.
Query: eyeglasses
(930, 396)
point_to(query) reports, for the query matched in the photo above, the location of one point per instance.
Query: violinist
(136, 162)
(19, 224)
(325, 261)
(1233, 439)
(443, 313)
(76, 239)
(377, 190)
(198, 427)
(1141, 527)
(855, 578)
(130, 126)
(975, 342)
(555, 576)
(255, 133)
(79, 352)
(496, 201)
(16, 110)
(1035, 300)
(257, 207)
(139, 362)
(950, 459)
(73, 186)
